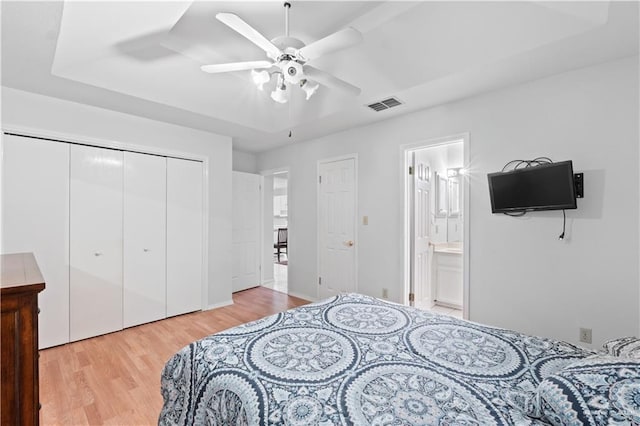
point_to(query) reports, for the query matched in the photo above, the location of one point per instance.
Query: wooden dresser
(20, 283)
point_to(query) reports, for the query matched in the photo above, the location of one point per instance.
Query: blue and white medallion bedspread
(357, 360)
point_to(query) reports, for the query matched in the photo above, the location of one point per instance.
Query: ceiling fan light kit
(309, 87)
(280, 93)
(289, 57)
(260, 78)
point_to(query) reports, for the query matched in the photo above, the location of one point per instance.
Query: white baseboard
(271, 283)
(302, 296)
(268, 284)
(220, 305)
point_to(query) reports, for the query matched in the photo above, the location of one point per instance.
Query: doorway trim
(405, 188)
(356, 214)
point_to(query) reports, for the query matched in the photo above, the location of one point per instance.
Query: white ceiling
(144, 58)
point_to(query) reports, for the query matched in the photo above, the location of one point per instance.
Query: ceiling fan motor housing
(292, 71)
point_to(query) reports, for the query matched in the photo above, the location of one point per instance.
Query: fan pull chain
(290, 122)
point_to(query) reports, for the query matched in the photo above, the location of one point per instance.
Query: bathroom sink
(449, 250)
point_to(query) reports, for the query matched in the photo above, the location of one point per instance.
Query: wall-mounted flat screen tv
(543, 187)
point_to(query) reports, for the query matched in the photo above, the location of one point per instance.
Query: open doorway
(436, 226)
(276, 230)
(280, 231)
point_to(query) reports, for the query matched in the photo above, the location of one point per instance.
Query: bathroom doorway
(436, 256)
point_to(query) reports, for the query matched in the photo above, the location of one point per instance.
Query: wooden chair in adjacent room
(281, 245)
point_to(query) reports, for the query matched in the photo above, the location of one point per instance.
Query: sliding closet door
(184, 236)
(145, 207)
(95, 241)
(35, 206)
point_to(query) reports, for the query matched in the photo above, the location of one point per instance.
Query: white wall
(521, 276)
(46, 114)
(244, 162)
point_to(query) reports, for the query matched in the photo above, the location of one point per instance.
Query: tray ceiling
(144, 57)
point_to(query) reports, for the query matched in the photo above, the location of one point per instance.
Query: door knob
(348, 243)
(96, 254)
(145, 250)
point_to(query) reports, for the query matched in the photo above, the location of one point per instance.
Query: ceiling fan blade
(236, 23)
(336, 41)
(236, 66)
(329, 80)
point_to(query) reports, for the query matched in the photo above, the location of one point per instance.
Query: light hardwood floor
(115, 379)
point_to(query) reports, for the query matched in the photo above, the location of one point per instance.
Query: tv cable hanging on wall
(531, 185)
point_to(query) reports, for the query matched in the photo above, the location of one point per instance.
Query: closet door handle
(146, 250)
(96, 254)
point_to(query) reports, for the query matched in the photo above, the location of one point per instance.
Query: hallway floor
(447, 311)
(280, 278)
(443, 310)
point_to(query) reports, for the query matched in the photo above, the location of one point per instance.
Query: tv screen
(542, 187)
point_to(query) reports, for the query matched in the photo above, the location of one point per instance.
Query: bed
(357, 360)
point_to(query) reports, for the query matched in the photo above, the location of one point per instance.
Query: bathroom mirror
(454, 196)
(441, 188)
(454, 215)
(441, 167)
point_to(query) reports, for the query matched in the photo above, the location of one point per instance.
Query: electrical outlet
(585, 335)
(385, 293)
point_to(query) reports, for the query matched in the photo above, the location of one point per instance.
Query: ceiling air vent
(386, 104)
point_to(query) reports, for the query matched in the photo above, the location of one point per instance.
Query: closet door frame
(142, 149)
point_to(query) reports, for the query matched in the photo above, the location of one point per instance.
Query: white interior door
(35, 218)
(184, 236)
(337, 220)
(421, 247)
(145, 222)
(246, 231)
(96, 199)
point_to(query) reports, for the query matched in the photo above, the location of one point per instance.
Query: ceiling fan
(289, 58)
